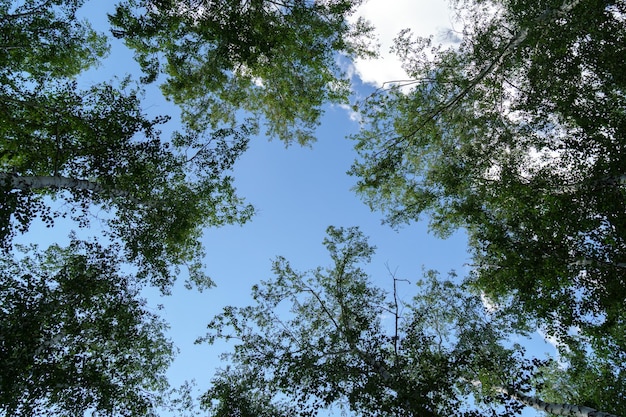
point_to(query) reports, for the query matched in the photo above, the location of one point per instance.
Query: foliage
(43, 39)
(276, 59)
(326, 338)
(76, 337)
(102, 150)
(516, 134)
(232, 388)
(97, 147)
(595, 383)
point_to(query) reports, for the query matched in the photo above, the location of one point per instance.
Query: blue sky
(298, 192)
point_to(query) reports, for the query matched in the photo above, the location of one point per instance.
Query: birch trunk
(552, 408)
(38, 182)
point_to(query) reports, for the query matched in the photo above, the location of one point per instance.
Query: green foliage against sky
(97, 151)
(328, 338)
(516, 134)
(97, 146)
(76, 337)
(276, 60)
(43, 40)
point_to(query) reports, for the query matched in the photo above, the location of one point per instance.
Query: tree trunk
(35, 182)
(552, 408)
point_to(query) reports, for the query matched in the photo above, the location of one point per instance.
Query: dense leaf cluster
(517, 135)
(75, 336)
(43, 39)
(328, 338)
(275, 59)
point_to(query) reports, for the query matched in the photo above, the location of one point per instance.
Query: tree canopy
(96, 147)
(515, 134)
(75, 336)
(86, 343)
(274, 59)
(330, 338)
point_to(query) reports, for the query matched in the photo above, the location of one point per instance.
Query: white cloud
(389, 17)
(353, 115)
